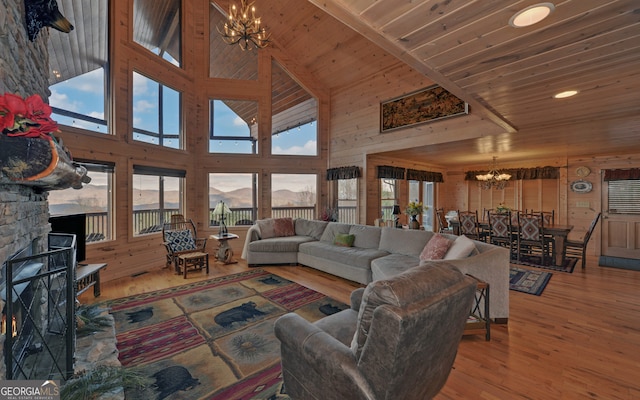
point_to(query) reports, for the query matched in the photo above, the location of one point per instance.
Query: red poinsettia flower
(29, 118)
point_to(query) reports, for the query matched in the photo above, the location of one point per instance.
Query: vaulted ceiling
(507, 75)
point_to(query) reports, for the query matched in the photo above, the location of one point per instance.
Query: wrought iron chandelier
(493, 179)
(243, 28)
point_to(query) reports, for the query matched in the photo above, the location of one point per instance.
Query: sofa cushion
(392, 265)
(367, 237)
(402, 290)
(404, 241)
(288, 244)
(275, 227)
(461, 248)
(329, 234)
(352, 256)
(436, 248)
(344, 240)
(307, 227)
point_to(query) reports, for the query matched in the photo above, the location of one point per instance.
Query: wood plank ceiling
(508, 75)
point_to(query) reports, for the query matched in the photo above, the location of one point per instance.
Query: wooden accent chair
(443, 225)
(184, 249)
(577, 248)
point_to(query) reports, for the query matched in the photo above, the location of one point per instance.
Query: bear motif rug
(212, 339)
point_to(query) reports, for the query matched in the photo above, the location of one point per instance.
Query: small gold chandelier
(243, 28)
(493, 178)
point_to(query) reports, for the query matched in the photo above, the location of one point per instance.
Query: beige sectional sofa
(377, 253)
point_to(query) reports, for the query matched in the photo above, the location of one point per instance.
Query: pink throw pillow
(283, 227)
(436, 248)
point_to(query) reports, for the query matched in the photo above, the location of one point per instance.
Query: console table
(225, 252)
(88, 275)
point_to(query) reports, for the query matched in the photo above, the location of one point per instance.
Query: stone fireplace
(24, 213)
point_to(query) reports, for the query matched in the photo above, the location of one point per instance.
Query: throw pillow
(180, 240)
(344, 239)
(284, 227)
(461, 248)
(276, 227)
(436, 248)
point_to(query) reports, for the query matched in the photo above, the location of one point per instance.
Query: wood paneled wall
(128, 255)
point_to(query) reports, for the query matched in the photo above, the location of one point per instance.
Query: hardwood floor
(579, 340)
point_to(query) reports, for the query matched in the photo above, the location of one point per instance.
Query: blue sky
(85, 95)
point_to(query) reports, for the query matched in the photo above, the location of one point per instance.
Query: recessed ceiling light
(531, 15)
(565, 94)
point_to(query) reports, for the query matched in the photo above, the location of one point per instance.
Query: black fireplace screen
(39, 315)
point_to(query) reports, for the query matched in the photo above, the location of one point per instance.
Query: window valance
(521, 173)
(621, 174)
(389, 172)
(333, 174)
(424, 176)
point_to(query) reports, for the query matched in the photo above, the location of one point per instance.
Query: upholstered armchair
(398, 340)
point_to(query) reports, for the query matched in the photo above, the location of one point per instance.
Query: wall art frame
(419, 107)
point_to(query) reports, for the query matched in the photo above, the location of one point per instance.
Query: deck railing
(149, 221)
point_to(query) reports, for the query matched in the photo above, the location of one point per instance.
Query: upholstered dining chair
(501, 231)
(531, 239)
(578, 248)
(398, 340)
(469, 225)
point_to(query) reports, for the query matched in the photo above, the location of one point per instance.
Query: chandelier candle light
(493, 178)
(243, 28)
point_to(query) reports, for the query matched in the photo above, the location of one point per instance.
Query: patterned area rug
(212, 339)
(534, 261)
(528, 281)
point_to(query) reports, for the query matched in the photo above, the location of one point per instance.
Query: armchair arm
(201, 244)
(356, 299)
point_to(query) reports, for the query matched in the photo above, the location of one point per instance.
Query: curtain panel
(333, 174)
(621, 174)
(424, 176)
(521, 173)
(389, 172)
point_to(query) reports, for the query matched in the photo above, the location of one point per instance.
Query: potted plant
(414, 209)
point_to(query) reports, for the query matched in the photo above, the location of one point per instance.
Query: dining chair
(578, 248)
(531, 240)
(501, 232)
(469, 225)
(548, 216)
(443, 225)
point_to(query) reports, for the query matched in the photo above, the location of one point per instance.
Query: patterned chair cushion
(530, 228)
(468, 224)
(180, 240)
(500, 225)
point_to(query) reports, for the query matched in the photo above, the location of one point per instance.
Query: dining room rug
(535, 261)
(528, 281)
(212, 339)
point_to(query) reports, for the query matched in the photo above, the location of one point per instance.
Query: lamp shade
(221, 210)
(396, 210)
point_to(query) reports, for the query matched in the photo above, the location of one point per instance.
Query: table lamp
(396, 212)
(221, 211)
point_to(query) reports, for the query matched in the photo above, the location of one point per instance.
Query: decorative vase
(414, 224)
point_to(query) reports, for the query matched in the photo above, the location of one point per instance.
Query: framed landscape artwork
(419, 107)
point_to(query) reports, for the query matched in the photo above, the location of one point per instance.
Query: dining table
(558, 232)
